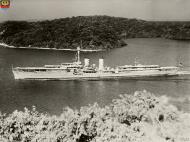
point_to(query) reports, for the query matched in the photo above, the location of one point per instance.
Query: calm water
(52, 96)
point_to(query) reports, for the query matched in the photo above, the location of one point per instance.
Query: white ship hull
(63, 75)
(77, 71)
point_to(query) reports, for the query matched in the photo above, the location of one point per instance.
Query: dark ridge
(95, 32)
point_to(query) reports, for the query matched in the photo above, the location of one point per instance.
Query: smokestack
(101, 64)
(86, 62)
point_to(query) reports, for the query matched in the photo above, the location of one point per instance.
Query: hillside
(96, 32)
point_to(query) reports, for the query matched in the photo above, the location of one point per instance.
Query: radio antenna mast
(78, 52)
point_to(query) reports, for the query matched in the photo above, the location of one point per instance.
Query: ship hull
(63, 75)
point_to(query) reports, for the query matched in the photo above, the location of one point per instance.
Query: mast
(136, 61)
(78, 54)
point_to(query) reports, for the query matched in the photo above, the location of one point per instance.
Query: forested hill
(94, 31)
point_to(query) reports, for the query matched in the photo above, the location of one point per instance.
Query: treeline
(141, 117)
(93, 31)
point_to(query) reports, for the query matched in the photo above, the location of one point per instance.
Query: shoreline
(37, 48)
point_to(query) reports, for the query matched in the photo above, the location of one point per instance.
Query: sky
(159, 10)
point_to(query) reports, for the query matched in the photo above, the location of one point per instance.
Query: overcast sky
(142, 9)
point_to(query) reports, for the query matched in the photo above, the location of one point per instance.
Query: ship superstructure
(76, 70)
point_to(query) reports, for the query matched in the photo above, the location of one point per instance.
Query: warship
(78, 71)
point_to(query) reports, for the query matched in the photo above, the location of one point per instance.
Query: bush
(131, 118)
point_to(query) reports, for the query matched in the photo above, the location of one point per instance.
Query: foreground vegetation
(95, 32)
(141, 117)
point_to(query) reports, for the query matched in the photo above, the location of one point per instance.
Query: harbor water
(53, 96)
